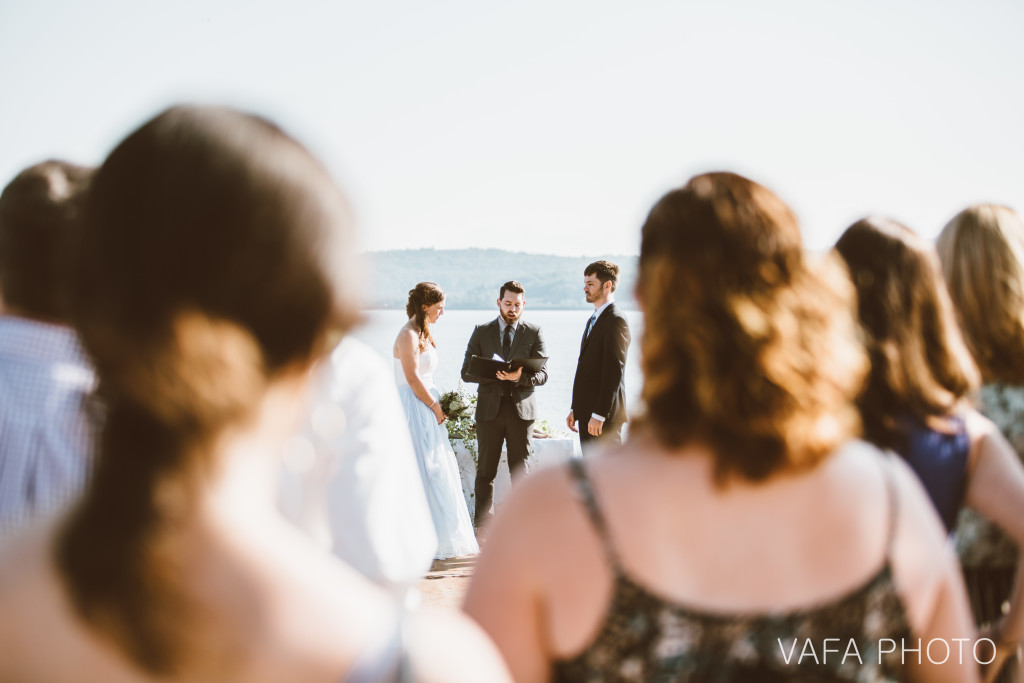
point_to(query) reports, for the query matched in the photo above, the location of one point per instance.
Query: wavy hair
(211, 263)
(746, 347)
(423, 294)
(919, 362)
(982, 254)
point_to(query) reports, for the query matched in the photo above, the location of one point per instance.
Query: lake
(562, 330)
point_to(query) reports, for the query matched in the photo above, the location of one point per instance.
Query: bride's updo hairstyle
(746, 348)
(423, 294)
(212, 263)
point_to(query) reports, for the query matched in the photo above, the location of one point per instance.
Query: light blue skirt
(441, 480)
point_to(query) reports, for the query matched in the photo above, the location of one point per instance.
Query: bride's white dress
(438, 467)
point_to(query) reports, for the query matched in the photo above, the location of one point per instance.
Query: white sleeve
(363, 495)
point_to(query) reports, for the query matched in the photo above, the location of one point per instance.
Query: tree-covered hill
(471, 278)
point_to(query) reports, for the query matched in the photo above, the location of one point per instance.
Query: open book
(488, 367)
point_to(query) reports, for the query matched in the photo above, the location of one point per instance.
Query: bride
(415, 361)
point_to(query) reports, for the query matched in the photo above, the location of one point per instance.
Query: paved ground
(446, 583)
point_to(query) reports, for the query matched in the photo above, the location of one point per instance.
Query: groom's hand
(595, 427)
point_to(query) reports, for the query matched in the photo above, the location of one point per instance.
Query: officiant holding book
(505, 405)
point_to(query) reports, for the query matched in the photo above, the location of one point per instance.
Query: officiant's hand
(511, 376)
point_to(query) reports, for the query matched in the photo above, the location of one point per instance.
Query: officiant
(505, 406)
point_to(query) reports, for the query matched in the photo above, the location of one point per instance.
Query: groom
(505, 404)
(599, 388)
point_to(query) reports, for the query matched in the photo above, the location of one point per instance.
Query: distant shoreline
(539, 307)
(472, 278)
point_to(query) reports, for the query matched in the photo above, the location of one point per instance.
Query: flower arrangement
(458, 406)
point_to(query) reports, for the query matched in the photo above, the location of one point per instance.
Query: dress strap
(584, 490)
(893, 500)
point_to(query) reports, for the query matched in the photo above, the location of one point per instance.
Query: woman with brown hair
(740, 527)
(915, 402)
(415, 361)
(982, 254)
(214, 272)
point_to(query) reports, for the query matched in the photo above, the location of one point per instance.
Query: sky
(552, 126)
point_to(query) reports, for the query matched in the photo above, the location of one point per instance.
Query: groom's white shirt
(351, 480)
(596, 315)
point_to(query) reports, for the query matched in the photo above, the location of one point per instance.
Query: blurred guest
(982, 255)
(350, 479)
(740, 526)
(921, 373)
(210, 278)
(599, 387)
(46, 426)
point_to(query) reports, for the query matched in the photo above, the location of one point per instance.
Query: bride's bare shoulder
(407, 335)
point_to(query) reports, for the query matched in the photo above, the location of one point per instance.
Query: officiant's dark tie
(506, 351)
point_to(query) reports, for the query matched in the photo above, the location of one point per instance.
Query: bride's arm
(409, 355)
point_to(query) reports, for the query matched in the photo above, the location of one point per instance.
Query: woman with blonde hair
(915, 402)
(982, 254)
(740, 527)
(214, 271)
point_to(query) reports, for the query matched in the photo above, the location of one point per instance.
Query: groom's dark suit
(599, 386)
(505, 411)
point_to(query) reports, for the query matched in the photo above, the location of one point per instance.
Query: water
(562, 333)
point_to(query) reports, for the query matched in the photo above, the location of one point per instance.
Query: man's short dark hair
(606, 271)
(511, 286)
(40, 213)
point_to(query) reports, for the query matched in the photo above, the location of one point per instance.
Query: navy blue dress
(940, 461)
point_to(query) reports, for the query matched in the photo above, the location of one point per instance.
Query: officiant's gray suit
(505, 410)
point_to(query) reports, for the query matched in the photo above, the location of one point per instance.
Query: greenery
(458, 407)
(544, 430)
(471, 278)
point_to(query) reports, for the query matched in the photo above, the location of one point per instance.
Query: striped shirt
(46, 431)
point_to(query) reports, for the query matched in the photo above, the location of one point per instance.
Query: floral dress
(647, 639)
(979, 542)
(987, 555)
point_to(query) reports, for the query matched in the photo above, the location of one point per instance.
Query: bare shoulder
(535, 531)
(446, 646)
(534, 507)
(407, 340)
(36, 618)
(24, 560)
(984, 434)
(882, 479)
(407, 333)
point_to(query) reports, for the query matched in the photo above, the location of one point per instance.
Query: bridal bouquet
(458, 406)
